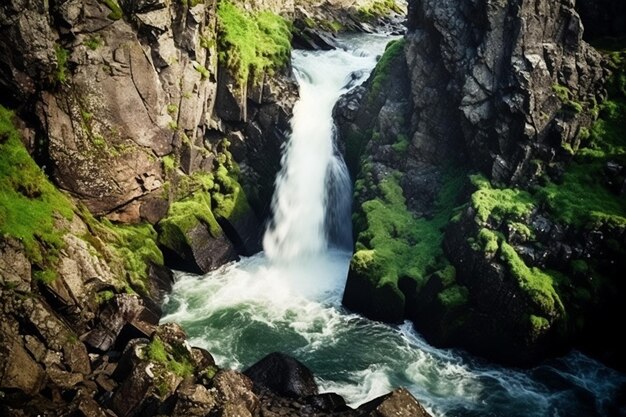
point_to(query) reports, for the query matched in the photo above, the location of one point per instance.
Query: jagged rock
(194, 400)
(235, 388)
(14, 266)
(399, 403)
(452, 55)
(282, 375)
(197, 250)
(122, 311)
(202, 358)
(18, 370)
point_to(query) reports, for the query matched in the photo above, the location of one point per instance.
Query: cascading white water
(313, 180)
(269, 303)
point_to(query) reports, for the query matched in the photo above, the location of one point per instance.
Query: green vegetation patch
(62, 56)
(135, 246)
(116, 9)
(393, 243)
(174, 360)
(565, 95)
(499, 203)
(251, 44)
(382, 71)
(93, 42)
(29, 203)
(581, 198)
(377, 9)
(539, 285)
(202, 198)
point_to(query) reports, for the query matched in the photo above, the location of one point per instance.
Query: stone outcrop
(128, 101)
(282, 375)
(494, 264)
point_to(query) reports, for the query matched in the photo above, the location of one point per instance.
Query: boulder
(282, 375)
(194, 400)
(399, 403)
(18, 371)
(235, 388)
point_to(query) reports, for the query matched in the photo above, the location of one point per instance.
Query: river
(288, 298)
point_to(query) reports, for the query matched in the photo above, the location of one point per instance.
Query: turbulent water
(289, 298)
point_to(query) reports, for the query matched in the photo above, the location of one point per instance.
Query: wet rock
(282, 375)
(399, 403)
(196, 250)
(327, 402)
(236, 389)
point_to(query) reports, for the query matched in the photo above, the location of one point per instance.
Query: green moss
(582, 200)
(169, 164)
(393, 243)
(251, 44)
(453, 297)
(499, 204)
(47, 276)
(104, 296)
(538, 324)
(537, 284)
(565, 96)
(116, 10)
(488, 240)
(522, 230)
(377, 9)
(401, 145)
(184, 216)
(177, 361)
(172, 108)
(204, 73)
(93, 42)
(135, 246)
(62, 56)
(331, 26)
(383, 68)
(29, 203)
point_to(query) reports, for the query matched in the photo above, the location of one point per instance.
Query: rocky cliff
(520, 259)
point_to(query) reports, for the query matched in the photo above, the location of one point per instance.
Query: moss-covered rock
(210, 222)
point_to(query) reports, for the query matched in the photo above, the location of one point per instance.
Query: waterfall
(311, 204)
(289, 300)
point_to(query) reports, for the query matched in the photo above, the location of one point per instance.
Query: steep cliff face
(501, 264)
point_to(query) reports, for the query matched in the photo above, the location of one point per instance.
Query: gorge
(485, 147)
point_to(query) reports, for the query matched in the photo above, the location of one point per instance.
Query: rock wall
(128, 103)
(498, 263)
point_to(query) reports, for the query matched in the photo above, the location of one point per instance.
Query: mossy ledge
(252, 43)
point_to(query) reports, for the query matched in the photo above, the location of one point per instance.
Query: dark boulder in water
(283, 375)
